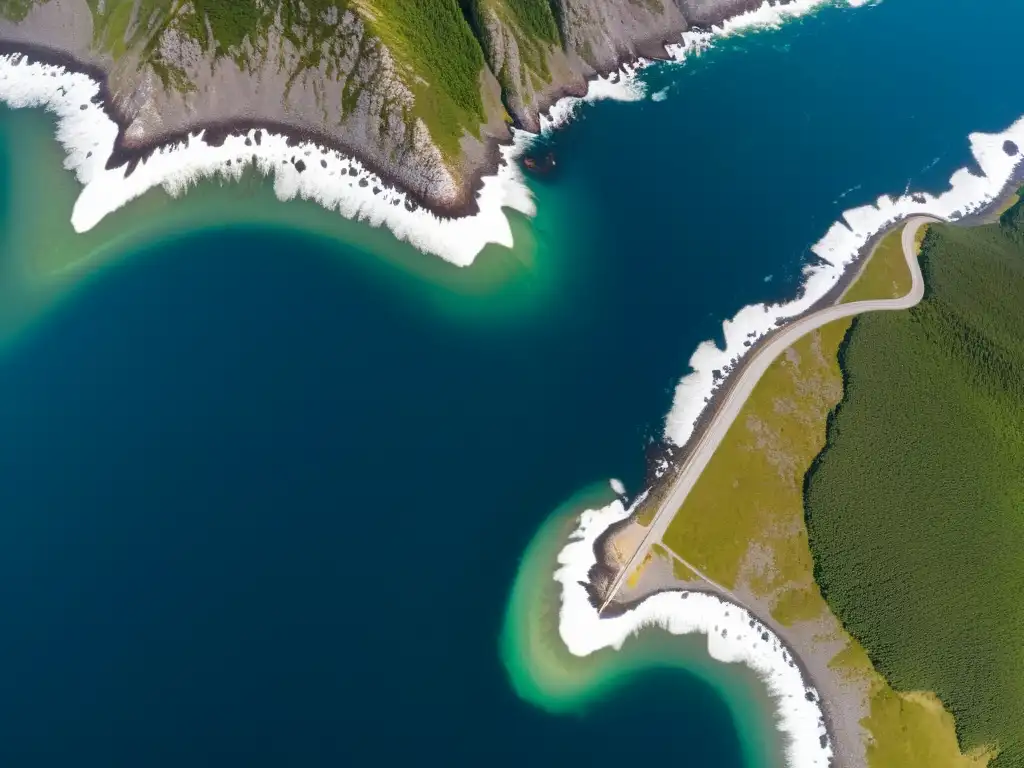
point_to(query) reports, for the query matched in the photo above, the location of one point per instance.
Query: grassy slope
(16, 10)
(434, 42)
(533, 25)
(920, 556)
(751, 491)
(789, 405)
(886, 274)
(435, 51)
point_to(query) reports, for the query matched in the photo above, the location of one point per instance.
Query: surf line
(309, 171)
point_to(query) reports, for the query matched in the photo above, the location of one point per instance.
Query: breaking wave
(308, 170)
(734, 635)
(305, 170)
(996, 154)
(767, 16)
(622, 85)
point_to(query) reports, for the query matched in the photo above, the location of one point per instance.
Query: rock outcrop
(420, 90)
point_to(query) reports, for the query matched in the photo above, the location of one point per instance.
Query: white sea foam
(766, 16)
(622, 85)
(88, 136)
(839, 247)
(733, 636)
(330, 178)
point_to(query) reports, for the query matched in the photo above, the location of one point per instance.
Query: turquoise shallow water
(266, 476)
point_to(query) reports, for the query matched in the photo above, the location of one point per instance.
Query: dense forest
(915, 509)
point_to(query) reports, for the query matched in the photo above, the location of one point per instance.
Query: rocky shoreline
(480, 159)
(843, 702)
(664, 458)
(130, 153)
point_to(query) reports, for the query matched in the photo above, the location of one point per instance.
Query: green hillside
(434, 50)
(375, 68)
(530, 25)
(915, 509)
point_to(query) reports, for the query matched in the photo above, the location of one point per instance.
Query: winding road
(749, 376)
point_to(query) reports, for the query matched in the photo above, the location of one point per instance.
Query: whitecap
(621, 85)
(304, 170)
(88, 135)
(837, 250)
(767, 15)
(733, 634)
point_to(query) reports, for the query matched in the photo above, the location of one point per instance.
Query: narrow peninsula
(866, 586)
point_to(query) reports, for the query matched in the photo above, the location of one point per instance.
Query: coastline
(656, 47)
(848, 274)
(306, 170)
(732, 632)
(456, 230)
(544, 672)
(849, 242)
(984, 214)
(840, 253)
(215, 132)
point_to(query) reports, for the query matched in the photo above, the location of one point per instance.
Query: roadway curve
(749, 375)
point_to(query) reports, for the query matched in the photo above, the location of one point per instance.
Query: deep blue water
(257, 508)
(232, 532)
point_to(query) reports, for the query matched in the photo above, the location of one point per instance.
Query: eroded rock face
(352, 94)
(704, 13)
(165, 80)
(532, 72)
(603, 32)
(320, 68)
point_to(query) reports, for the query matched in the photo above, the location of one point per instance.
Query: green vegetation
(679, 569)
(16, 10)
(751, 490)
(443, 59)
(532, 25)
(111, 21)
(229, 23)
(743, 524)
(885, 276)
(533, 17)
(682, 571)
(770, 446)
(916, 508)
(439, 49)
(434, 50)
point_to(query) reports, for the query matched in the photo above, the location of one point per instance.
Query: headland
(134, 140)
(623, 538)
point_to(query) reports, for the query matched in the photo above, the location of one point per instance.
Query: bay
(266, 475)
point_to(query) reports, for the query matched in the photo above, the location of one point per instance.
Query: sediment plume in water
(733, 635)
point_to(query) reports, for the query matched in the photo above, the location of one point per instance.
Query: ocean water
(267, 476)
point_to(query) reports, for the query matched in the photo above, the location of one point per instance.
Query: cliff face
(417, 89)
(523, 46)
(603, 32)
(321, 71)
(541, 50)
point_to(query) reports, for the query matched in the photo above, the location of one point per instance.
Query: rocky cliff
(420, 90)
